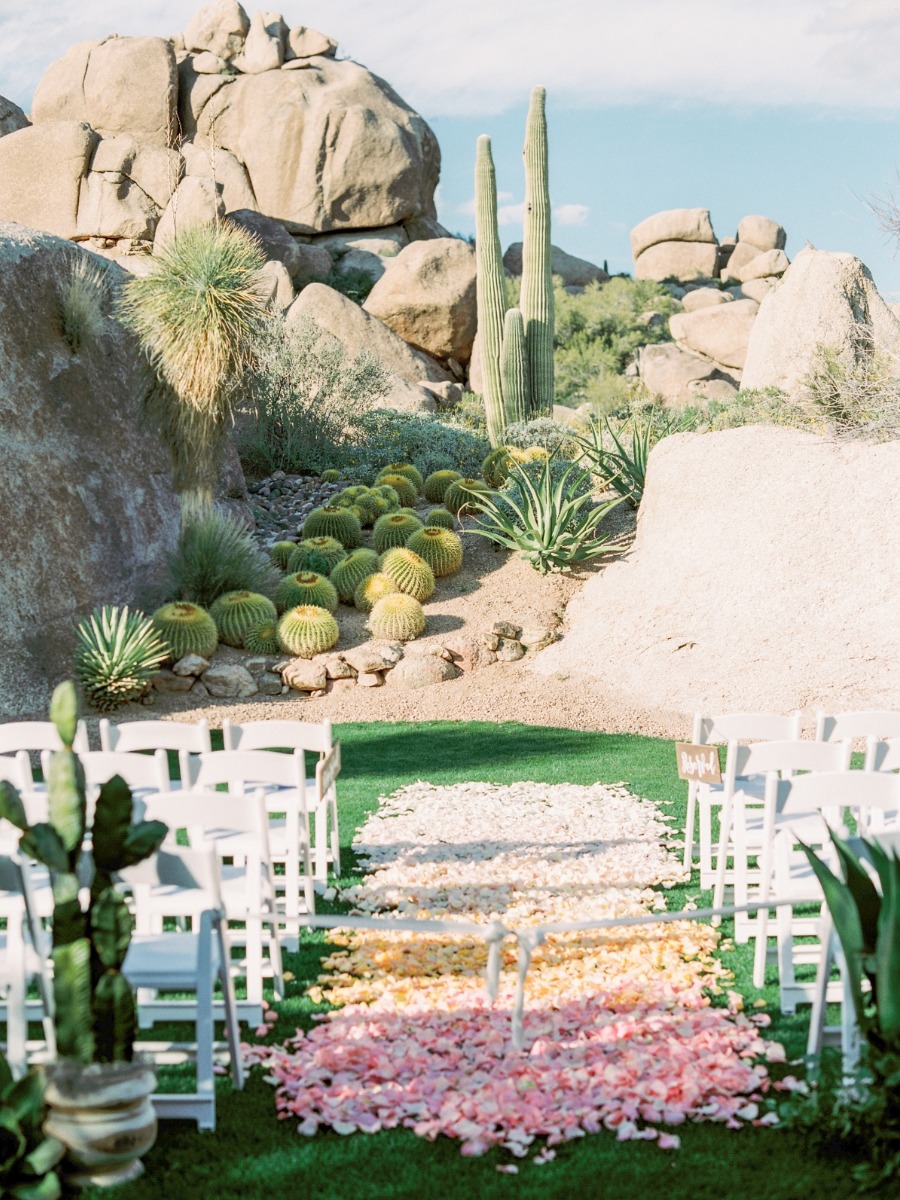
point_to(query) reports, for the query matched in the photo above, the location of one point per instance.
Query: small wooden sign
(698, 764)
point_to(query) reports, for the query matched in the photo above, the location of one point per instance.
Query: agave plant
(28, 1160)
(625, 466)
(550, 522)
(117, 653)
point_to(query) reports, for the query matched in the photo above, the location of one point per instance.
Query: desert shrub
(557, 439)
(216, 554)
(84, 301)
(354, 284)
(619, 456)
(857, 395)
(469, 413)
(427, 441)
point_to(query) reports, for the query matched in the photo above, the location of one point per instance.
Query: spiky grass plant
(463, 495)
(441, 518)
(84, 298)
(116, 654)
(307, 630)
(263, 638)
(405, 489)
(411, 573)
(349, 574)
(440, 548)
(306, 587)
(186, 629)
(397, 618)
(280, 554)
(437, 483)
(371, 590)
(198, 315)
(237, 612)
(407, 471)
(216, 554)
(394, 529)
(320, 554)
(334, 522)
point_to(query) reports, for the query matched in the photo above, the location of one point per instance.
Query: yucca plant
(216, 554)
(198, 315)
(550, 522)
(116, 655)
(625, 466)
(28, 1159)
(83, 301)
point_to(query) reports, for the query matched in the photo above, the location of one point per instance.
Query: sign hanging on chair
(698, 764)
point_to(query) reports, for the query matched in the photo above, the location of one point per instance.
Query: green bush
(84, 302)
(557, 439)
(354, 284)
(429, 442)
(301, 395)
(216, 554)
(619, 456)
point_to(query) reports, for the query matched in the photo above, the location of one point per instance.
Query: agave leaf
(887, 956)
(47, 1188)
(26, 1097)
(864, 892)
(12, 1141)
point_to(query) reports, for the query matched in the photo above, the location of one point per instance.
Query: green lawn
(254, 1156)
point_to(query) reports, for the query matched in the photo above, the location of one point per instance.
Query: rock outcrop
(87, 519)
(824, 299)
(574, 272)
(752, 585)
(11, 117)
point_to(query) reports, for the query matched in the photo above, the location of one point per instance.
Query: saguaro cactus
(95, 1010)
(537, 277)
(491, 286)
(514, 368)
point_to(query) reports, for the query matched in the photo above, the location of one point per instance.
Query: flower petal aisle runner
(619, 1031)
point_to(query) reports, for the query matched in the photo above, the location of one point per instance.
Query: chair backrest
(882, 755)
(746, 727)
(873, 723)
(156, 735)
(316, 737)
(787, 757)
(806, 794)
(140, 771)
(187, 868)
(16, 769)
(244, 770)
(38, 735)
(205, 814)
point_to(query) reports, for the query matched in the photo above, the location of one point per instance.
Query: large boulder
(574, 272)
(127, 188)
(212, 162)
(118, 85)
(752, 585)
(823, 299)
(762, 232)
(721, 332)
(668, 371)
(194, 202)
(427, 296)
(358, 331)
(682, 261)
(328, 147)
(41, 173)
(11, 117)
(86, 502)
(674, 225)
(219, 28)
(277, 244)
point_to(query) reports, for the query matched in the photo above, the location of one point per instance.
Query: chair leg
(689, 822)
(16, 1016)
(321, 836)
(232, 1031)
(849, 1028)
(817, 1017)
(205, 1029)
(725, 823)
(335, 836)
(784, 916)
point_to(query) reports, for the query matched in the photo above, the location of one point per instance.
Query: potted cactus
(98, 1094)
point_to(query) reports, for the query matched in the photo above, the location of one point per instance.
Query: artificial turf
(254, 1156)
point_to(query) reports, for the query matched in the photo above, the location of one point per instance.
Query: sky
(789, 108)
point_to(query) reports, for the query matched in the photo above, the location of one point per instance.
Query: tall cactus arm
(514, 369)
(537, 276)
(491, 286)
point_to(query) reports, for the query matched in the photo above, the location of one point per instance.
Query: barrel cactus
(349, 574)
(397, 618)
(463, 495)
(280, 554)
(116, 655)
(394, 530)
(389, 494)
(495, 467)
(333, 522)
(437, 483)
(411, 573)
(236, 612)
(186, 629)
(305, 587)
(307, 630)
(405, 489)
(372, 589)
(407, 470)
(440, 548)
(263, 638)
(321, 554)
(330, 476)
(441, 518)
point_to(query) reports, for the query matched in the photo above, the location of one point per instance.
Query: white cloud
(571, 214)
(830, 53)
(512, 214)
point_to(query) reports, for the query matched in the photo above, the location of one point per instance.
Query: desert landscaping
(472, 531)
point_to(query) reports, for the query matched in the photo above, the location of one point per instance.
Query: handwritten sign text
(698, 763)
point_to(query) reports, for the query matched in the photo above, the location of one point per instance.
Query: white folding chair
(247, 891)
(741, 819)
(806, 809)
(881, 756)
(311, 738)
(186, 962)
(282, 777)
(181, 736)
(863, 724)
(23, 960)
(703, 798)
(37, 737)
(144, 773)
